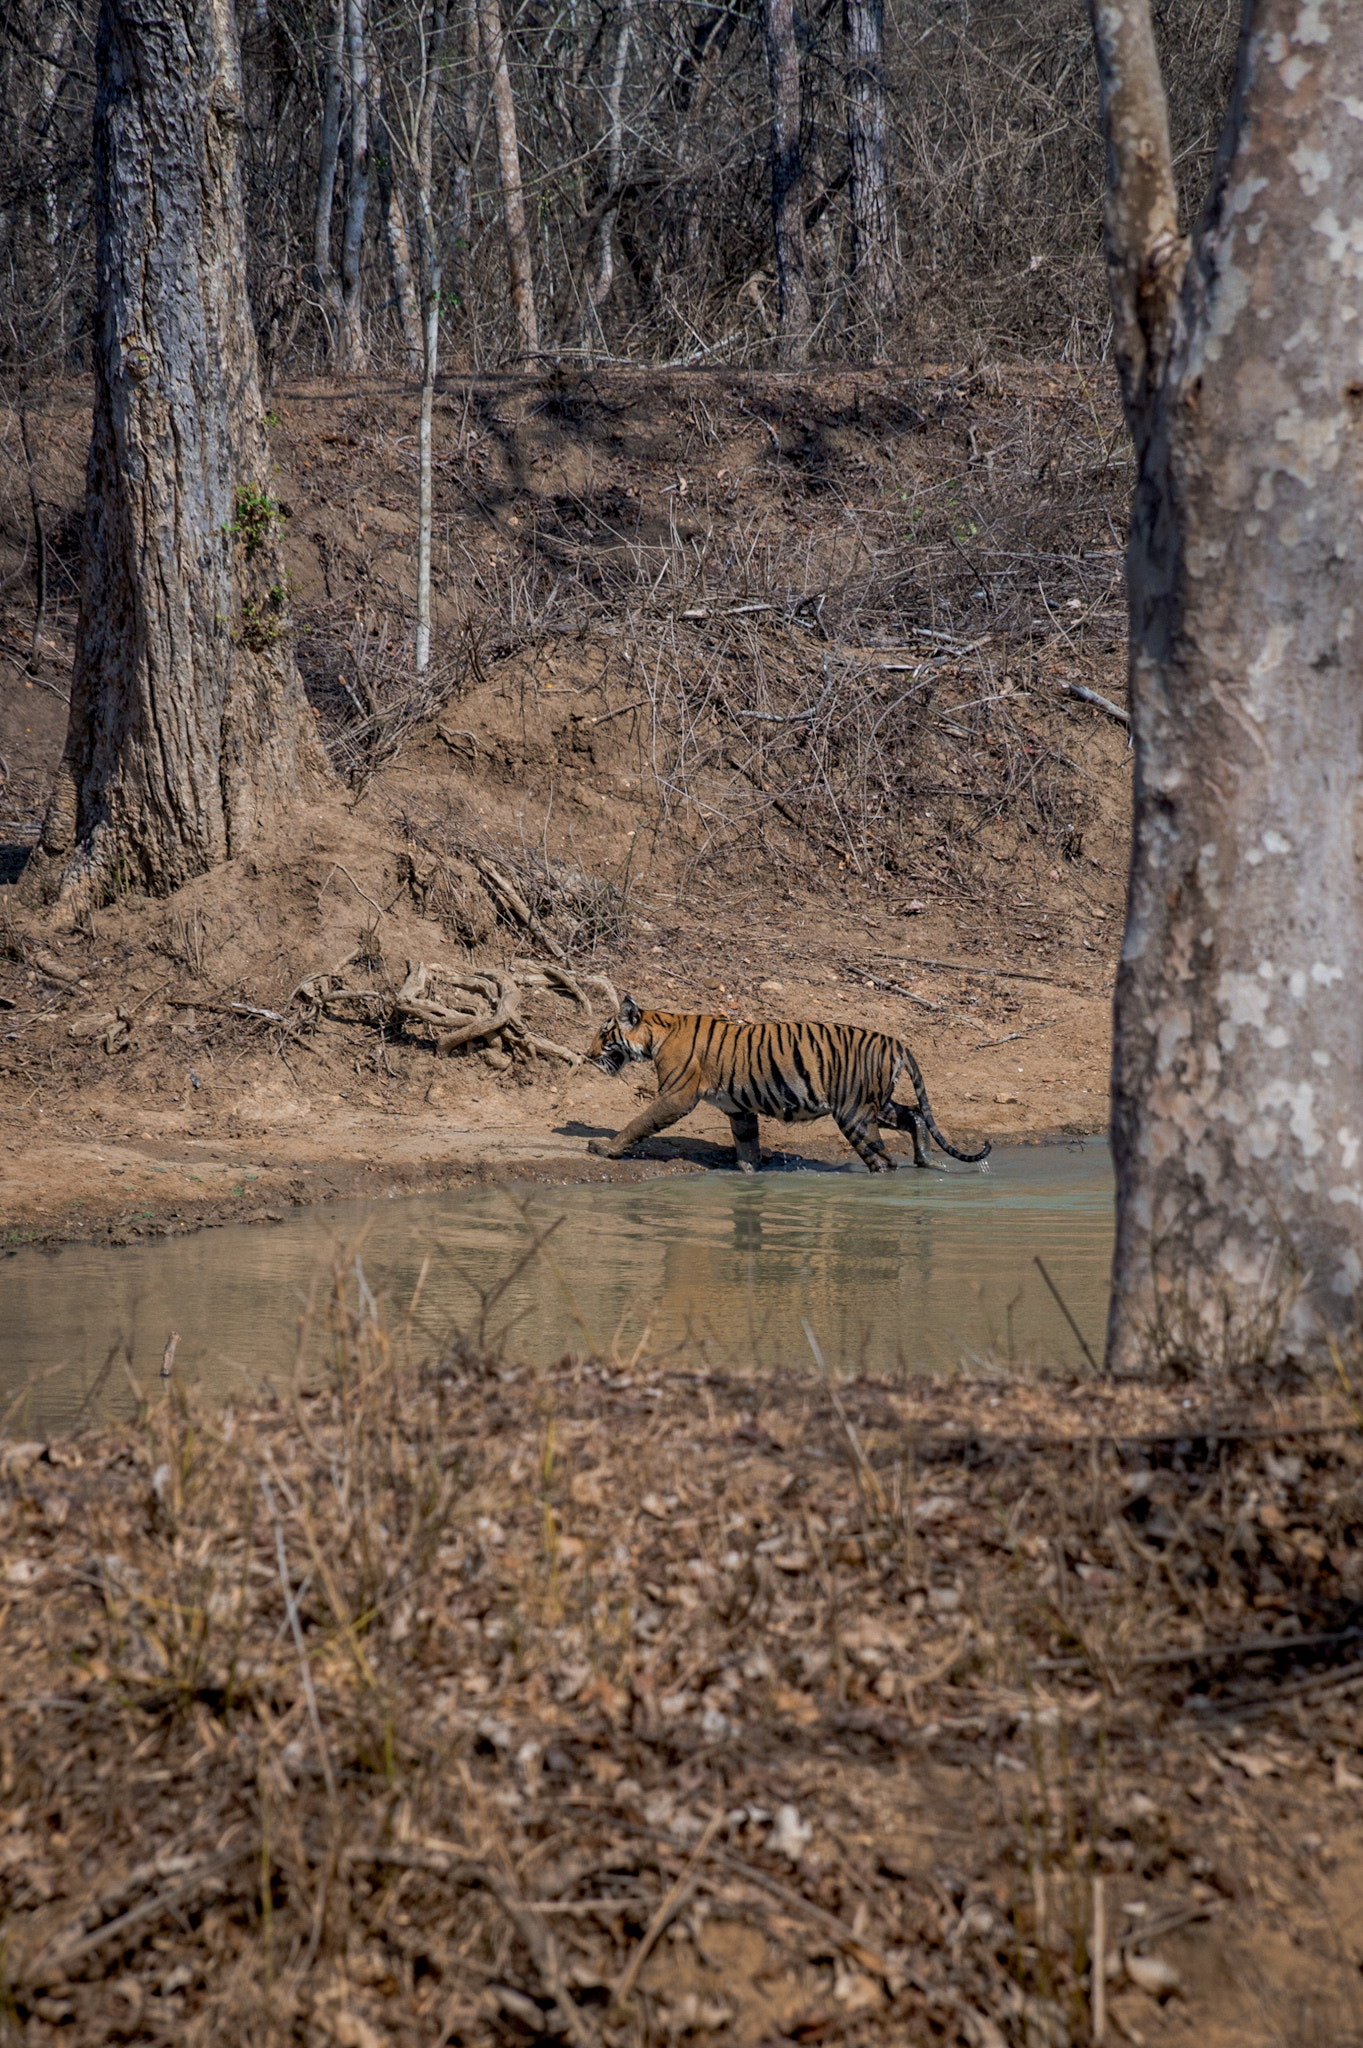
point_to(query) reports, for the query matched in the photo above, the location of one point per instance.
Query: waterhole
(898, 1273)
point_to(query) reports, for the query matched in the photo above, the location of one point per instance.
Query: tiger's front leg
(662, 1111)
(747, 1144)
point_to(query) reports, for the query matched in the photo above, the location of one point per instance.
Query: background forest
(383, 144)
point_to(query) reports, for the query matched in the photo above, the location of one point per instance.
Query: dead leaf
(798, 1705)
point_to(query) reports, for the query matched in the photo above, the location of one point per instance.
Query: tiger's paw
(746, 1166)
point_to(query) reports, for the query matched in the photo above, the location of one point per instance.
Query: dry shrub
(360, 675)
(875, 673)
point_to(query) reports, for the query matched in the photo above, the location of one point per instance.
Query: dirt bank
(756, 689)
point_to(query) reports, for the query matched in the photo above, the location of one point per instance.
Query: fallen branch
(337, 869)
(988, 973)
(677, 1895)
(891, 987)
(548, 974)
(508, 896)
(1087, 696)
(76, 1942)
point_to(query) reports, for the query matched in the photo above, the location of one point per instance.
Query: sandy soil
(988, 940)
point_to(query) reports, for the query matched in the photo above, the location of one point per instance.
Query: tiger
(797, 1072)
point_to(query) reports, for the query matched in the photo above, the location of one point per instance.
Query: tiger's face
(620, 1040)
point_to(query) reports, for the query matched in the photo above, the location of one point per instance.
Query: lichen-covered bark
(188, 729)
(1238, 1098)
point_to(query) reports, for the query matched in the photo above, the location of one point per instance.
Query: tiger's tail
(924, 1109)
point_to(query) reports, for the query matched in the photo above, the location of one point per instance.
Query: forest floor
(753, 685)
(627, 1705)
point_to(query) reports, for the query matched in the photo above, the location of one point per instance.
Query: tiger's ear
(630, 1013)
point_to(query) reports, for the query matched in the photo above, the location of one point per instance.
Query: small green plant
(263, 619)
(253, 517)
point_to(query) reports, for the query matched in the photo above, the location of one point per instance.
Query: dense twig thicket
(641, 137)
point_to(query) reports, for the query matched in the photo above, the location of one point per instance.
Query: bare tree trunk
(1238, 1087)
(188, 730)
(404, 290)
(461, 183)
(509, 171)
(353, 352)
(872, 271)
(599, 292)
(783, 68)
(432, 266)
(327, 158)
(395, 226)
(39, 541)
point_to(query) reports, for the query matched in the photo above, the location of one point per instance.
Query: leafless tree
(794, 319)
(1238, 1110)
(509, 171)
(395, 223)
(328, 158)
(871, 266)
(421, 156)
(600, 289)
(188, 729)
(991, 176)
(353, 349)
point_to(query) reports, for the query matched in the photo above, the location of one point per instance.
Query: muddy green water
(904, 1272)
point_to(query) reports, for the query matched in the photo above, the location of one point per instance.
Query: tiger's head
(621, 1039)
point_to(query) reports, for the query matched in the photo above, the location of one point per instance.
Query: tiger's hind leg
(660, 1113)
(906, 1116)
(864, 1139)
(747, 1146)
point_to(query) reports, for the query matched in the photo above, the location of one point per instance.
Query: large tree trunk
(1238, 1086)
(788, 228)
(188, 729)
(509, 172)
(872, 268)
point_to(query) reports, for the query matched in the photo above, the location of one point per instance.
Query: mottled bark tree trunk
(872, 264)
(788, 229)
(1238, 1086)
(509, 173)
(188, 730)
